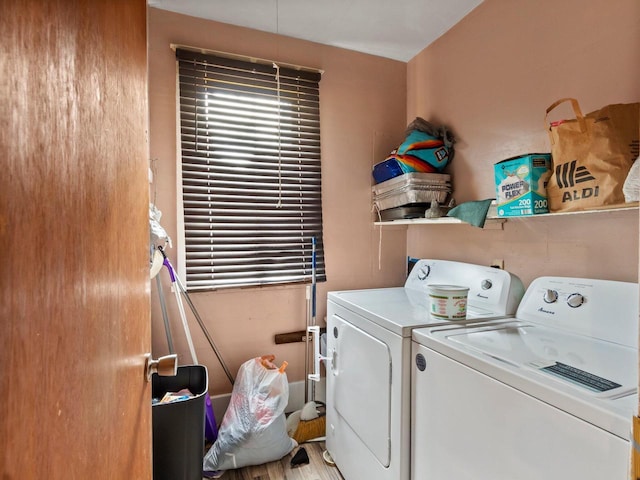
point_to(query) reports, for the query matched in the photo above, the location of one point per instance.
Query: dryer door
(361, 374)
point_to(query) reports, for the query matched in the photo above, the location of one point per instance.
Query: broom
(312, 424)
(308, 424)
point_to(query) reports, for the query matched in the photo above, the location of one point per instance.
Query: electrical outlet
(498, 263)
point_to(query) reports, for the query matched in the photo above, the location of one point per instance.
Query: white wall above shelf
(494, 222)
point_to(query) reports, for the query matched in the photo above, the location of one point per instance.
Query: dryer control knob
(486, 284)
(575, 300)
(550, 296)
(424, 272)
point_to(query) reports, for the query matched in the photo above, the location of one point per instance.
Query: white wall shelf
(494, 222)
(434, 221)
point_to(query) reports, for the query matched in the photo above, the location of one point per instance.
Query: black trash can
(178, 428)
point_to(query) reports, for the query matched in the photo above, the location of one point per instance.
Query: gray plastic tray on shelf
(412, 188)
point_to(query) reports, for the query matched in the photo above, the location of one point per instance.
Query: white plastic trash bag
(253, 430)
(631, 187)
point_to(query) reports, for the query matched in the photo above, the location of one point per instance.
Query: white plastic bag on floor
(253, 430)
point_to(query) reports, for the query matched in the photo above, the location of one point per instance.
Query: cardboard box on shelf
(521, 185)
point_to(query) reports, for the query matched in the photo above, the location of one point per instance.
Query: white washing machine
(369, 352)
(547, 395)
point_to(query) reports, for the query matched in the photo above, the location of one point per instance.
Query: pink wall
(363, 112)
(490, 79)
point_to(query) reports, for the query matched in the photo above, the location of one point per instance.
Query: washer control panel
(490, 289)
(598, 308)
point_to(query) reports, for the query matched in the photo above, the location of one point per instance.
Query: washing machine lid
(593, 379)
(400, 309)
(588, 363)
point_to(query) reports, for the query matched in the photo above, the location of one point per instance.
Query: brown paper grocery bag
(592, 156)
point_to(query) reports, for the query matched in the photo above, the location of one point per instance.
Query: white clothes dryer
(369, 353)
(549, 394)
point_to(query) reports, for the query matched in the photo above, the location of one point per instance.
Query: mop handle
(205, 331)
(166, 263)
(183, 317)
(165, 315)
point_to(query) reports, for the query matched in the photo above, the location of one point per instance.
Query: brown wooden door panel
(74, 237)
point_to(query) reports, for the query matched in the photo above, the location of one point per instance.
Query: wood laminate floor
(317, 469)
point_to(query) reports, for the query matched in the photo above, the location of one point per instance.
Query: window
(251, 179)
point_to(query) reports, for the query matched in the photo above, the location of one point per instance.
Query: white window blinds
(251, 178)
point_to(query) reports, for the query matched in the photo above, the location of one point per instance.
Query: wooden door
(74, 288)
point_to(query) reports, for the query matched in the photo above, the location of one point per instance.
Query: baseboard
(296, 398)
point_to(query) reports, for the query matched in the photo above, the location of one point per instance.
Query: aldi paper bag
(592, 156)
